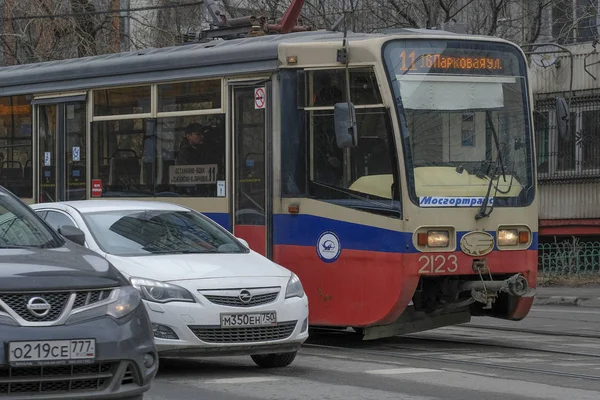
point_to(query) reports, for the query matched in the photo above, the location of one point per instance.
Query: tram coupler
(486, 291)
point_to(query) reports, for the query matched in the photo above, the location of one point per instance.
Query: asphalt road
(553, 355)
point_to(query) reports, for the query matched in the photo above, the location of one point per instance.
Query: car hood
(178, 267)
(67, 267)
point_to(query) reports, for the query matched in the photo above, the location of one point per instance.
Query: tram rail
(532, 331)
(421, 357)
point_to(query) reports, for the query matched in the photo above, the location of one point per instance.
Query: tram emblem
(328, 247)
(477, 243)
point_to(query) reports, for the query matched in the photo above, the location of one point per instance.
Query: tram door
(251, 167)
(61, 138)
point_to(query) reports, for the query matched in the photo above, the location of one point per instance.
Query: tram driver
(197, 148)
(194, 150)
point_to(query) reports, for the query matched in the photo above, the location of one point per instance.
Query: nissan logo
(245, 296)
(38, 307)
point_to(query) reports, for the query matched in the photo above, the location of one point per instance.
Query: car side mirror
(72, 233)
(242, 241)
(344, 121)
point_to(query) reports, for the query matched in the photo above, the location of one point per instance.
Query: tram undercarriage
(451, 300)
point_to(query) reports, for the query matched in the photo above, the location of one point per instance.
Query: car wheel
(140, 397)
(274, 360)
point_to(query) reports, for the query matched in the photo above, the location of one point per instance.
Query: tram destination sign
(193, 174)
(453, 58)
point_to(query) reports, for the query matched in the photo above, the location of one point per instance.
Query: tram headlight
(438, 238)
(294, 287)
(508, 237)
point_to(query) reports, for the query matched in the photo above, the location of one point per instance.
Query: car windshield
(138, 233)
(20, 227)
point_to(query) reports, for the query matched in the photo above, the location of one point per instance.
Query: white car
(206, 292)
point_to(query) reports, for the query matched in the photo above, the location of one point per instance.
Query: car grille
(86, 298)
(234, 301)
(216, 334)
(55, 379)
(17, 302)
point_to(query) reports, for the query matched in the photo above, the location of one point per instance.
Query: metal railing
(573, 258)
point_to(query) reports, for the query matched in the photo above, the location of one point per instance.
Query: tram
(394, 172)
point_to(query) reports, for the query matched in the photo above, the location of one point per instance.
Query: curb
(567, 300)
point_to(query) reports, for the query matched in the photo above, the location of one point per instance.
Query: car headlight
(508, 237)
(294, 287)
(129, 299)
(161, 292)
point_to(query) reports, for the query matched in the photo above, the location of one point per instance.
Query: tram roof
(214, 58)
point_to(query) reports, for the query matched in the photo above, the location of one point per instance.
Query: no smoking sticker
(260, 98)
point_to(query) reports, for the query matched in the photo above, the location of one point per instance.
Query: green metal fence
(569, 258)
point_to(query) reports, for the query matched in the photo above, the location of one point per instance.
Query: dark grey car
(71, 326)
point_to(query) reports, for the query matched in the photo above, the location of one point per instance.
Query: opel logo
(245, 296)
(38, 307)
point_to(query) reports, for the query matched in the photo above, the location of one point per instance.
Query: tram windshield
(465, 120)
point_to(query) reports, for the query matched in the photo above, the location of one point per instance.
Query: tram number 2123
(438, 264)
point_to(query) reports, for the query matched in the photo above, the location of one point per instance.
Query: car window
(57, 219)
(42, 214)
(134, 233)
(21, 227)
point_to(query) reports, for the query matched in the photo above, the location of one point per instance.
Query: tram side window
(122, 101)
(191, 155)
(190, 96)
(365, 176)
(120, 157)
(16, 145)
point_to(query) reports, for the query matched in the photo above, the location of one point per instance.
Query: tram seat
(104, 170)
(11, 173)
(124, 169)
(28, 171)
(165, 171)
(12, 177)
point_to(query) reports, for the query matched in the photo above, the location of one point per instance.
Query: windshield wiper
(182, 251)
(482, 213)
(499, 164)
(488, 116)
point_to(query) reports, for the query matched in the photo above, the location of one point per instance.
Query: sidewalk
(573, 296)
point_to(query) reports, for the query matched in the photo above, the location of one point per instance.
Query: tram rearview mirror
(563, 124)
(345, 131)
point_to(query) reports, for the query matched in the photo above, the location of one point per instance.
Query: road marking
(250, 379)
(461, 356)
(591, 345)
(514, 360)
(553, 310)
(395, 371)
(574, 364)
(467, 372)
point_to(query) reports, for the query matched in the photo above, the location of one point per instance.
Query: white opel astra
(206, 292)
